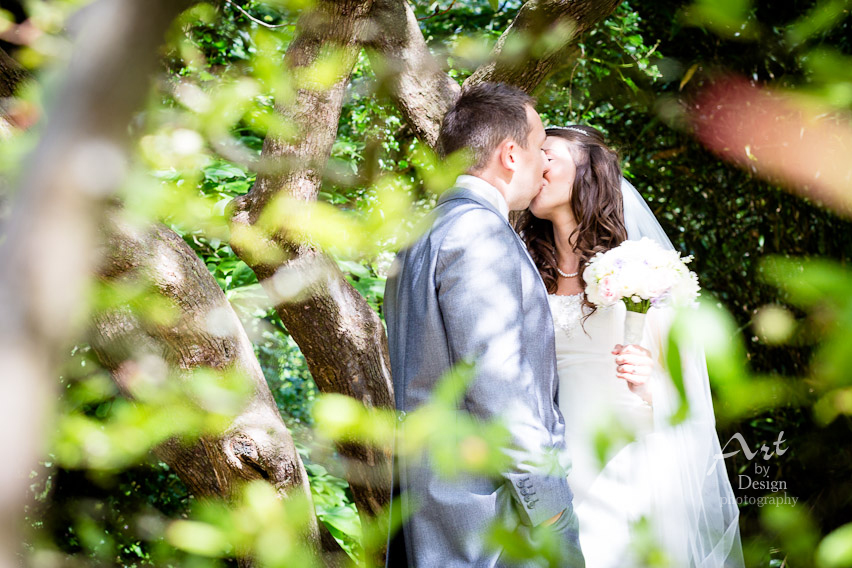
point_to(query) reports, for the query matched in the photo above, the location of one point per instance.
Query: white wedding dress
(601, 416)
(638, 483)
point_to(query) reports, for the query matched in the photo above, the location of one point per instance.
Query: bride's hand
(634, 364)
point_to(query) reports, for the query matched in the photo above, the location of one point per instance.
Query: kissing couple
(596, 473)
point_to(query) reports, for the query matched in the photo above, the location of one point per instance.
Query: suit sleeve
(479, 287)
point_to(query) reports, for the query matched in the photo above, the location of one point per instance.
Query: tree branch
(541, 39)
(545, 30)
(255, 20)
(438, 12)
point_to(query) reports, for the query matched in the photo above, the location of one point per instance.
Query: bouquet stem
(642, 306)
(634, 323)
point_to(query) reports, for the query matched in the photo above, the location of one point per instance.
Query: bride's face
(555, 196)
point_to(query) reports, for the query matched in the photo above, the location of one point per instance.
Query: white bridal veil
(695, 514)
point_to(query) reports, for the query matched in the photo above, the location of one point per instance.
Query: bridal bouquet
(641, 274)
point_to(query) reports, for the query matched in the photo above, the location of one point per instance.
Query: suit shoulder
(479, 235)
(472, 220)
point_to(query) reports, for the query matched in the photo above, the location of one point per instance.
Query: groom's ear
(508, 159)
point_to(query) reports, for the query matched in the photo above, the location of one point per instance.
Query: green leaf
(821, 18)
(726, 18)
(344, 519)
(674, 365)
(242, 275)
(808, 281)
(354, 268)
(222, 171)
(835, 550)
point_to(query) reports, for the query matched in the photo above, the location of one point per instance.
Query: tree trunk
(205, 333)
(341, 337)
(49, 241)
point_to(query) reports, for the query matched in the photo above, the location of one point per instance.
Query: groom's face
(531, 163)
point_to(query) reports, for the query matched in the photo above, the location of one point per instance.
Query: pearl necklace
(564, 275)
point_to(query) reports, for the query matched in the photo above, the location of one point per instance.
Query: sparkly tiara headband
(571, 128)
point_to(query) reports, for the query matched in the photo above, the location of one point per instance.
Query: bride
(641, 486)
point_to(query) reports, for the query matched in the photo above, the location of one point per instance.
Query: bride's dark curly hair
(595, 201)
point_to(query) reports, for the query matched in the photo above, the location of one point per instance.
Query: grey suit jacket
(468, 290)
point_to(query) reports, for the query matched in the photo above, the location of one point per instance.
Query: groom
(468, 291)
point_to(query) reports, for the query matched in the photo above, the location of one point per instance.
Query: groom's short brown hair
(484, 115)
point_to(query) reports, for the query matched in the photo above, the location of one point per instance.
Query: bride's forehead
(556, 144)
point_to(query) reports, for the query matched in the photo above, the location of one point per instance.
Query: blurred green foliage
(781, 361)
